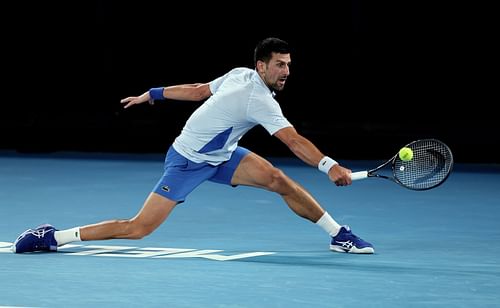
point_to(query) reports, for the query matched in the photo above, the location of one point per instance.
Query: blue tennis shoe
(39, 239)
(346, 241)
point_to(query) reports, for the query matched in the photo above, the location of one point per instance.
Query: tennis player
(207, 149)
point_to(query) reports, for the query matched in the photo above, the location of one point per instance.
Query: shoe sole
(364, 250)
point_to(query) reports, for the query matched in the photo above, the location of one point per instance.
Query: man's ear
(261, 65)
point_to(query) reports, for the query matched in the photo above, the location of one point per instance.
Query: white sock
(327, 223)
(67, 236)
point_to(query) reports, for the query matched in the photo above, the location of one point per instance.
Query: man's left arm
(182, 92)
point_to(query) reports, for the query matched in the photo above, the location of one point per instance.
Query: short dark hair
(265, 48)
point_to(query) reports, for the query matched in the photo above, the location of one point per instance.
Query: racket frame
(372, 172)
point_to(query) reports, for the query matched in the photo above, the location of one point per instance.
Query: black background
(367, 76)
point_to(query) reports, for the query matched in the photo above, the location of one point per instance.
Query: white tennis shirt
(240, 100)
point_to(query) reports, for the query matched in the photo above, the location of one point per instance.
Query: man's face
(276, 71)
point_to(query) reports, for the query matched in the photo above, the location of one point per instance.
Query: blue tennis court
(243, 247)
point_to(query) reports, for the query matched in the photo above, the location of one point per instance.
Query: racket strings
(431, 164)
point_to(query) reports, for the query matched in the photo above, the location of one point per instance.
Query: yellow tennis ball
(406, 154)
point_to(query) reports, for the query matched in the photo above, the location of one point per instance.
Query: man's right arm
(310, 154)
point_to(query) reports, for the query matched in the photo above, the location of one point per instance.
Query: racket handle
(359, 175)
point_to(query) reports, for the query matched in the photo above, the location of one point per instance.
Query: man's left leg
(155, 210)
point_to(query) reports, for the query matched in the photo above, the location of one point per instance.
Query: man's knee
(278, 181)
(137, 231)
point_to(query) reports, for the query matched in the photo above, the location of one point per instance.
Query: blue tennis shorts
(182, 176)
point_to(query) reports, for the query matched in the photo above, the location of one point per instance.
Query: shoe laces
(39, 232)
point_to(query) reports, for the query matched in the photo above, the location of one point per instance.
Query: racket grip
(359, 175)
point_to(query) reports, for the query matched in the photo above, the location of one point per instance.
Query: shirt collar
(262, 83)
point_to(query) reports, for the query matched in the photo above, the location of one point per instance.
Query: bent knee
(278, 181)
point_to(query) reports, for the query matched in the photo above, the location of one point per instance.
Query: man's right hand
(340, 176)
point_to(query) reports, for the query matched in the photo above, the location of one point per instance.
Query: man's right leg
(256, 171)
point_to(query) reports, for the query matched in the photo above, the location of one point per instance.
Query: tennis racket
(431, 165)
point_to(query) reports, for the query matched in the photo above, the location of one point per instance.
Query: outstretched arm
(184, 92)
(309, 153)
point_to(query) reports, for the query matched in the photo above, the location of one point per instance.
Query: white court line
(17, 307)
(148, 252)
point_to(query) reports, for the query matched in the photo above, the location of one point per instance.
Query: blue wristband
(156, 93)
